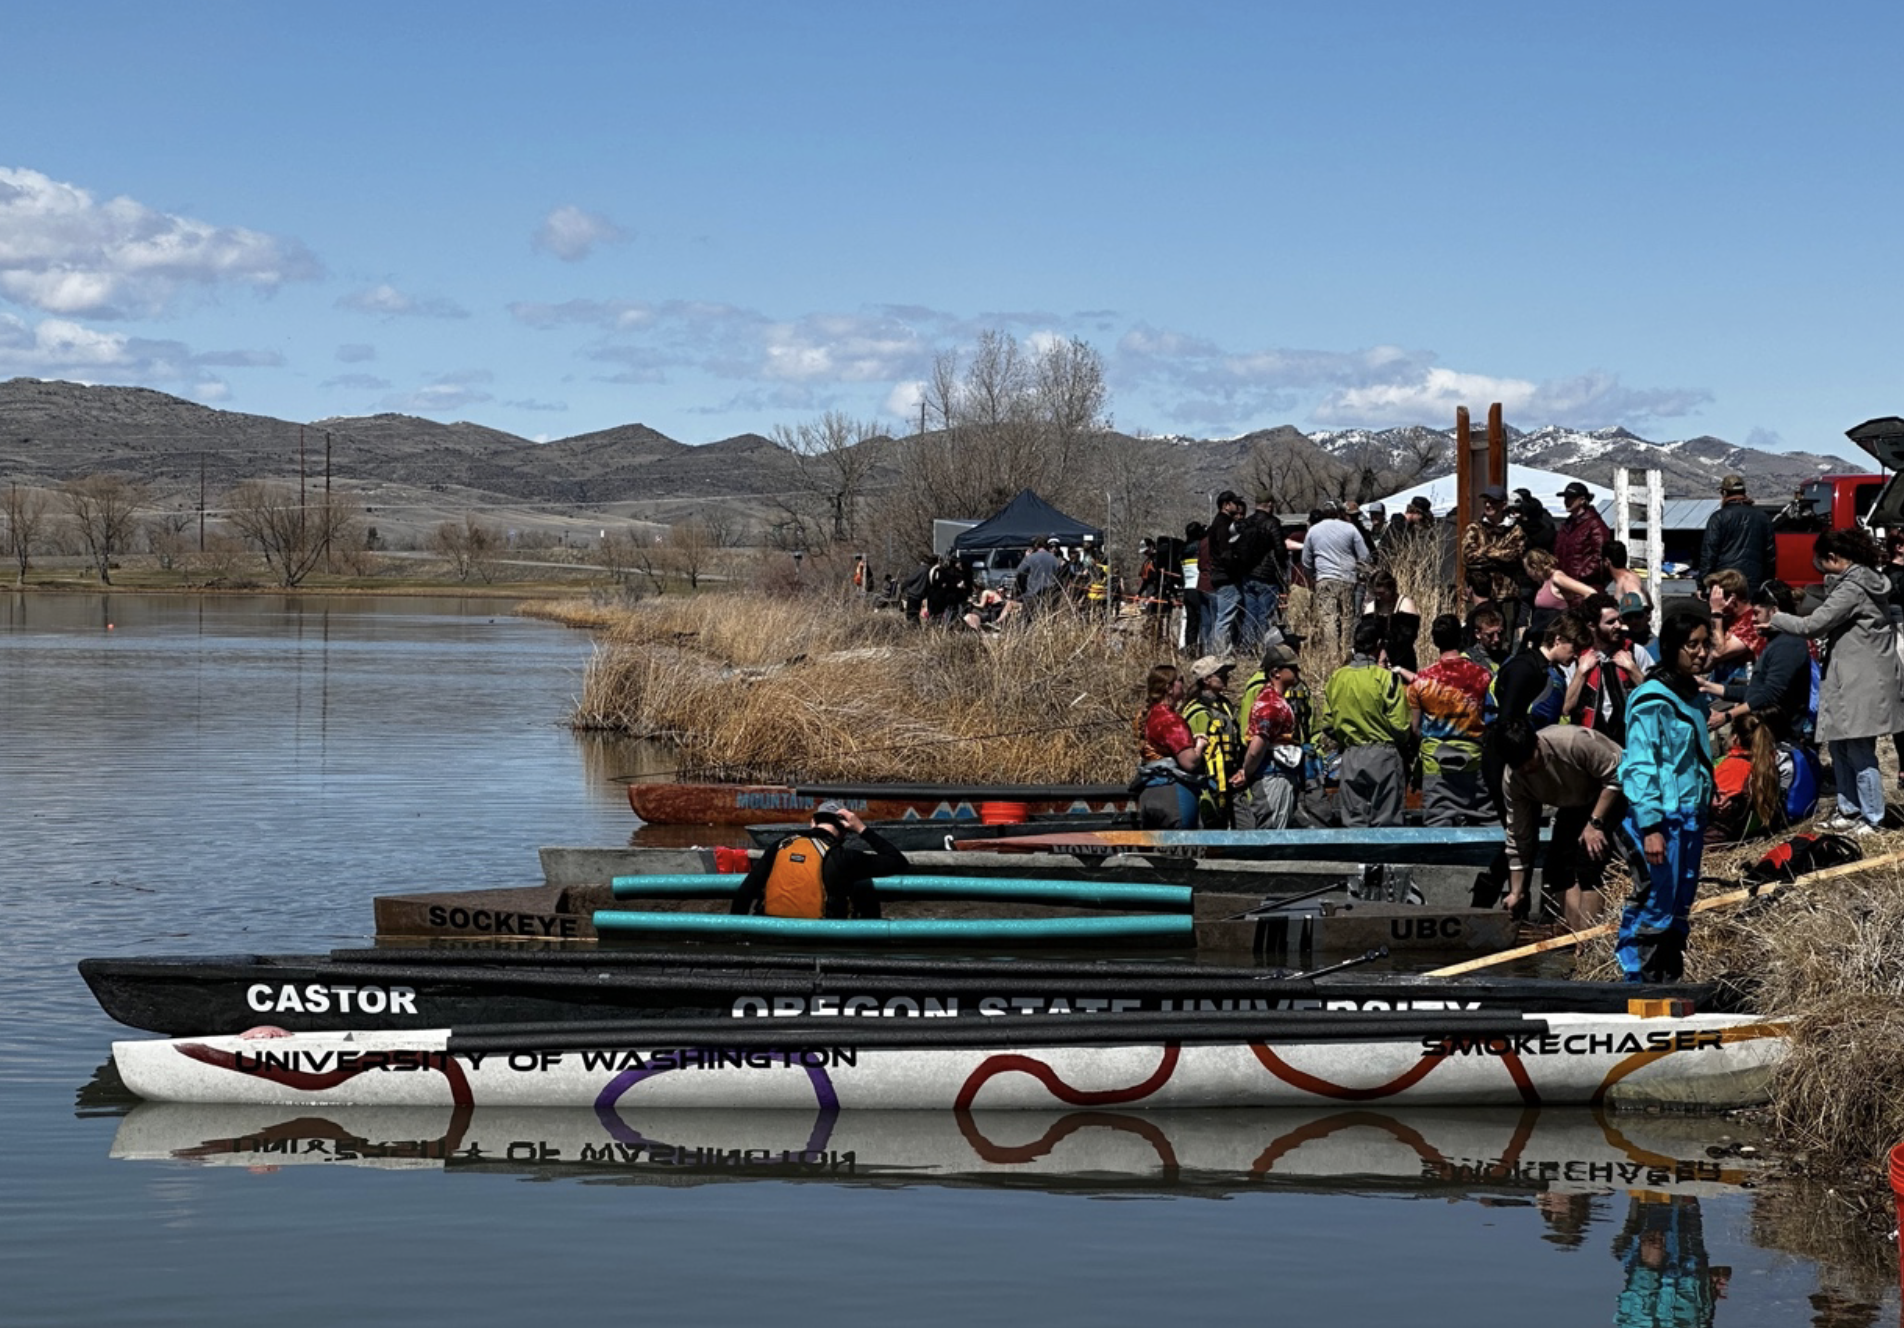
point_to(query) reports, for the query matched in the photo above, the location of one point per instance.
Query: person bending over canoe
(813, 875)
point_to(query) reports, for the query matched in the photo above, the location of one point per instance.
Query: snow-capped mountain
(1692, 466)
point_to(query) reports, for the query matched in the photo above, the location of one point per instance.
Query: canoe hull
(1474, 846)
(186, 995)
(744, 804)
(551, 916)
(1703, 1061)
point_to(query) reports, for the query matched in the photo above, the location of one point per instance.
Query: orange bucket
(1897, 1188)
(1001, 813)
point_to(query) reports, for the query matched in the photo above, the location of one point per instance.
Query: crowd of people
(1547, 701)
(951, 592)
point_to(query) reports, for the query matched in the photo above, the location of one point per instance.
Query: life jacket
(794, 885)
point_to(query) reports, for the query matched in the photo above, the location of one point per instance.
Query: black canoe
(392, 989)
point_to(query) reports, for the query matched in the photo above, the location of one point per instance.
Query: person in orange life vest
(812, 875)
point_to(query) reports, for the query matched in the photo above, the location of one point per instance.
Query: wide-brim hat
(1209, 666)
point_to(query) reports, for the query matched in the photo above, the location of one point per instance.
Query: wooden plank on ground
(1717, 901)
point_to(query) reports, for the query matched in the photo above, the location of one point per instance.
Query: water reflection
(1670, 1282)
(1482, 1154)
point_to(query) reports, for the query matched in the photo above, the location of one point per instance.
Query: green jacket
(1364, 704)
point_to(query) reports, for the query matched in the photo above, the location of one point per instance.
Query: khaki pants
(1335, 620)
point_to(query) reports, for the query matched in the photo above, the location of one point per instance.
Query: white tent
(1543, 484)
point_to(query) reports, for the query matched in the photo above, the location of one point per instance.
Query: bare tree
(165, 536)
(470, 546)
(687, 551)
(1011, 419)
(292, 536)
(25, 513)
(103, 508)
(834, 460)
(624, 554)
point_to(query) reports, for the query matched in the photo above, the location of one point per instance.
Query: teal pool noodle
(1010, 889)
(975, 931)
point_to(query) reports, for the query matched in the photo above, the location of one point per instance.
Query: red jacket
(1578, 546)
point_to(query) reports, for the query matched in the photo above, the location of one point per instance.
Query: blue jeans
(1220, 636)
(1854, 769)
(1259, 606)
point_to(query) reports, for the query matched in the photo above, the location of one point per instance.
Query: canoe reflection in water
(1491, 1152)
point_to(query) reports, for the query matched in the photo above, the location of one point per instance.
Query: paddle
(1269, 906)
(1367, 956)
(1609, 928)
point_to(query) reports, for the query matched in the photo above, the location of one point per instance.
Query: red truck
(1836, 502)
(1830, 502)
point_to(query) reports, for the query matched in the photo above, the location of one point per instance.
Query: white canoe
(1698, 1061)
(1558, 1150)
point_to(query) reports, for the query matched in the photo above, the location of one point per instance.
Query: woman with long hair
(1666, 777)
(1169, 756)
(1400, 619)
(1764, 781)
(1861, 697)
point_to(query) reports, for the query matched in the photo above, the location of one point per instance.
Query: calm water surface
(182, 775)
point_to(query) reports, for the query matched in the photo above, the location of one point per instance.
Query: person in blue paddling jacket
(813, 875)
(1666, 777)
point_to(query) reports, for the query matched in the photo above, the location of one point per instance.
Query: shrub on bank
(750, 686)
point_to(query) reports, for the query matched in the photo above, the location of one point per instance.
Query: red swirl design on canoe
(308, 1081)
(1407, 1079)
(1013, 1063)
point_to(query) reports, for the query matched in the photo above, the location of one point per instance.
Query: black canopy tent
(1024, 519)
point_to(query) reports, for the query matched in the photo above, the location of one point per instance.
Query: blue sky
(1681, 218)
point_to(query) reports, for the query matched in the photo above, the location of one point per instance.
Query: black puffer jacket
(1739, 536)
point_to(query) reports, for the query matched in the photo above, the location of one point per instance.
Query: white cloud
(360, 382)
(571, 234)
(64, 252)
(1587, 401)
(904, 399)
(448, 392)
(60, 348)
(1203, 385)
(388, 301)
(356, 352)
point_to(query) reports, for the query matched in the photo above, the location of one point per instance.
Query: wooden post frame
(1477, 464)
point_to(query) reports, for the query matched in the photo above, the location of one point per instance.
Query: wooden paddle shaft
(1608, 928)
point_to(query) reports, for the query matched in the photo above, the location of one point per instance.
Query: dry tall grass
(1830, 959)
(809, 688)
(1424, 572)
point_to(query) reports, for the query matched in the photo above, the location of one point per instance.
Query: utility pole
(327, 498)
(922, 416)
(201, 502)
(300, 486)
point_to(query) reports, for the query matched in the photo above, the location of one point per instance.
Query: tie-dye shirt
(1451, 695)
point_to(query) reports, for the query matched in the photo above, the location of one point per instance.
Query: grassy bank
(776, 688)
(1830, 959)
